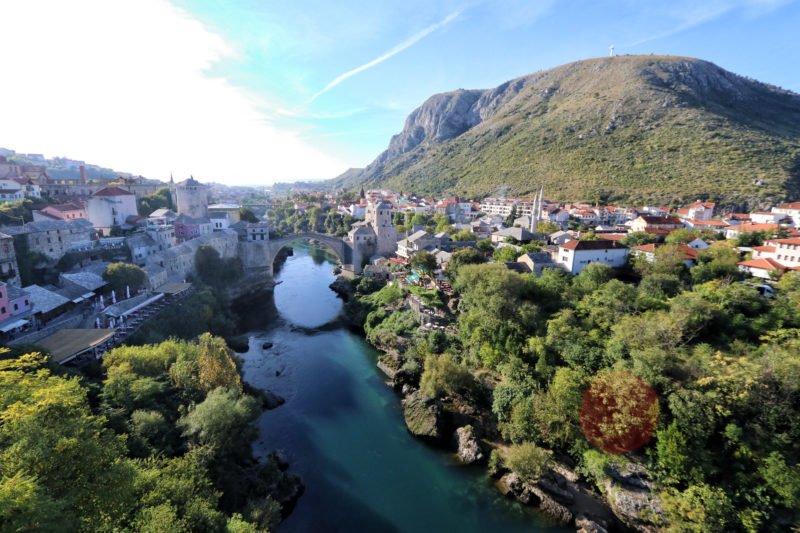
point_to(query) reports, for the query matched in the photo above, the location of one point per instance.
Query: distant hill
(614, 129)
(62, 168)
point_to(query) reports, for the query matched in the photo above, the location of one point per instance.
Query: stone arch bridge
(260, 255)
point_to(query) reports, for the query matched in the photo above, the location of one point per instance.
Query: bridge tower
(379, 218)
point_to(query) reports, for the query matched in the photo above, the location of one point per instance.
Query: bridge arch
(340, 248)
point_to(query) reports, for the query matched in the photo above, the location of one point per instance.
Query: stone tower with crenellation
(379, 218)
(192, 198)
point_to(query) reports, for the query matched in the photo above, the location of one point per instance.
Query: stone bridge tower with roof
(379, 218)
(192, 198)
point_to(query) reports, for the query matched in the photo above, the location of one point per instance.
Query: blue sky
(247, 91)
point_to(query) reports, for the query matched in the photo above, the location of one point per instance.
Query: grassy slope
(666, 144)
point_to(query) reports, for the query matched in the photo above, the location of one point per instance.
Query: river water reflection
(343, 427)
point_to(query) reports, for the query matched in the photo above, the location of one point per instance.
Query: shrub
(528, 460)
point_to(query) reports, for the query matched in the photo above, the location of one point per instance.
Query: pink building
(63, 211)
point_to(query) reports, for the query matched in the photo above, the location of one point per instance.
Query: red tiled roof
(112, 191)
(795, 241)
(764, 248)
(791, 205)
(600, 244)
(612, 236)
(763, 263)
(651, 219)
(717, 223)
(64, 207)
(707, 205)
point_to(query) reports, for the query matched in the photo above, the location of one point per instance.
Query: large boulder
(469, 449)
(423, 416)
(402, 378)
(550, 506)
(510, 484)
(634, 497)
(272, 400)
(586, 525)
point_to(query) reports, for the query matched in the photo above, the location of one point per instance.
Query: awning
(12, 325)
(83, 297)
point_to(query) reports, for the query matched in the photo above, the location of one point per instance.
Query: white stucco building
(576, 255)
(109, 207)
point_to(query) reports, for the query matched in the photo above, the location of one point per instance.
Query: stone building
(54, 238)
(379, 219)
(191, 197)
(109, 207)
(9, 271)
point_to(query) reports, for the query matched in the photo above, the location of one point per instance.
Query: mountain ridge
(616, 128)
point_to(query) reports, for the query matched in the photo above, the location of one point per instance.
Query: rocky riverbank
(629, 499)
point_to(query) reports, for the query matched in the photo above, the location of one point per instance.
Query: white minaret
(611, 51)
(534, 210)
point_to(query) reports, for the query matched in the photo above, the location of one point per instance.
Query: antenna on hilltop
(611, 51)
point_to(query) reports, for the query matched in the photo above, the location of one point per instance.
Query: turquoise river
(343, 427)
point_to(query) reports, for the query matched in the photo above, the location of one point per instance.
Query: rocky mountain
(614, 129)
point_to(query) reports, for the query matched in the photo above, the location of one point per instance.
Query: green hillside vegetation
(622, 129)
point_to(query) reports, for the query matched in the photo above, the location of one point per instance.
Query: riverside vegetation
(724, 361)
(157, 437)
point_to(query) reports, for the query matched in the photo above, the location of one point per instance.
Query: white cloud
(126, 85)
(394, 51)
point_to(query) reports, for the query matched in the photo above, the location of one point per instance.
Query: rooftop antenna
(611, 51)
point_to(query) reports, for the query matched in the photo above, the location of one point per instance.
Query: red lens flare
(619, 412)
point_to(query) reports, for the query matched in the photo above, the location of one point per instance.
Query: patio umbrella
(97, 323)
(102, 305)
(113, 297)
(127, 291)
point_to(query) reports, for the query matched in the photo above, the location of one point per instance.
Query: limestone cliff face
(632, 127)
(441, 117)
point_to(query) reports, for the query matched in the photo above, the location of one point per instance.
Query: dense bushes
(169, 427)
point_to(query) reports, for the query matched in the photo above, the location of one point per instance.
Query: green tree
(423, 260)
(751, 238)
(467, 256)
(512, 216)
(247, 215)
(547, 228)
(60, 466)
(160, 199)
(680, 236)
(507, 254)
(464, 235)
(496, 317)
(208, 264)
(557, 409)
(419, 220)
(443, 375)
(485, 245)
(699, 509)
(528, 461)
(122, 275)
(638, 238)
(222, 421)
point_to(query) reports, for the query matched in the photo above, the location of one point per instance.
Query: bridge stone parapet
(260, 255)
